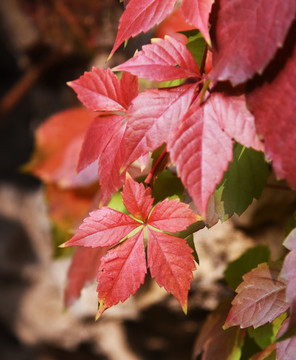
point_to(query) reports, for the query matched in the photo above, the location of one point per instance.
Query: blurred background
(43, 45)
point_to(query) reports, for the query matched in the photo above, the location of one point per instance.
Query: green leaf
(249, 348)
(242, 182)
(196, 45)
(246, 262)
(167, 185)
(190, 242)
(266, 334)
(116, 203)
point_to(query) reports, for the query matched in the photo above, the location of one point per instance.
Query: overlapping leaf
(141, 16)
(201, 151)
(274, 108)
(285, 349)
(202, 145)
(153, 115)
(164, 59)
(122, 270)
(247, 36)
(260, 299)
(197, 13)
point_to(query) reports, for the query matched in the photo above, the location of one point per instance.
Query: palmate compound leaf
(261, 297)
(141, 15)
(201, 147)
(163, 60)
(197, 13)
(241, 22)
(123, 268)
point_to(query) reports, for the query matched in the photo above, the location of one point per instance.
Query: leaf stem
(203, 61)
(162, 158)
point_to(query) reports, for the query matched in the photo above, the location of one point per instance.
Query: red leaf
(274, 107)
(240, 22)
(141, 16)
(201, 152)
(172, 216)
(110, 164)
(171, 263)
(197, 13)
(103, 227)
(129, 87)
(99, 90)
(97, 137)
(137, 199)
(154, 114)
(235, 119)
(260, 298)
(121, 272)
(83, 270)
(167, 59)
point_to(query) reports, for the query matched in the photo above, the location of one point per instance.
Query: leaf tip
(101, 309)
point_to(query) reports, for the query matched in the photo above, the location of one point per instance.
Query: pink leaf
(197, 13)
(121, 272)
(243, 46)
(99, 90)
(103, 227)
(83, 270)
(167, 59)
(172, 216)
(137, 199)
(97, 137)
(154, 114)
(274, 107)
(290, 241)
(141, 16)
(260, 298)
(286, 349)
(201, 152)
(171, 263)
